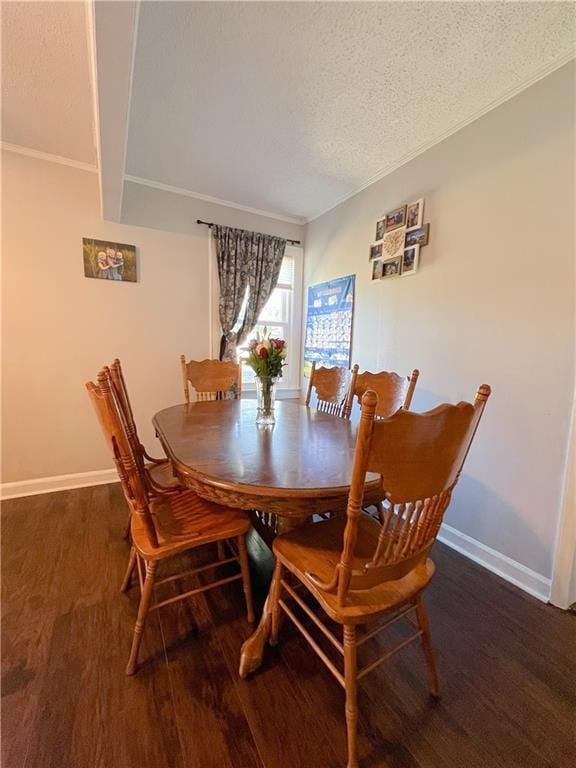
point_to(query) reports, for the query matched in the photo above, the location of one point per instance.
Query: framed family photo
(418, 236)
(392, 267)
(375, 251)
(415, 214)
(410, 259)
(377, 269)
(105, 260)
(396, 218)
(380, 229)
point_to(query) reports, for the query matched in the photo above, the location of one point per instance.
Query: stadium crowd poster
(329, 323)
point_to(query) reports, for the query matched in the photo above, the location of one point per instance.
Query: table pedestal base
(253, 648)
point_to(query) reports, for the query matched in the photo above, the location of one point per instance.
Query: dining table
(293, 470)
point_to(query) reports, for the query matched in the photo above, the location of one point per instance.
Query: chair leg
(141, 618)
(350, 680)
(275, 589)
(126, 533)
(246, 583)
(129, 570)
(424, 626)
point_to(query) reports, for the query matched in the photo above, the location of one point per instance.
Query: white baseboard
(525, 578)
(56, 483)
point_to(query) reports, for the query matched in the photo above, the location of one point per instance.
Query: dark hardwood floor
(507, 665)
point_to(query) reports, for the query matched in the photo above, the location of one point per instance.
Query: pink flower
(263, 352)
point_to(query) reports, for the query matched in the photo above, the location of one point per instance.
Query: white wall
(60, 327)
(492, 302)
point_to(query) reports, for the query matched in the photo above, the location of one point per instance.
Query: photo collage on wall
(399, 236)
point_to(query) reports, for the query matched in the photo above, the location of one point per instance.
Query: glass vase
(266, 394)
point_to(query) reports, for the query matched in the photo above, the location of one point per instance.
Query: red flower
(277, 343)
(263, 352)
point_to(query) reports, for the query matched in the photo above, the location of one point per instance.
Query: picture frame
(392, 268)
(377, 269)
(418, 236)
(414, 214)
(380, 228)
(108, 260)
(396, 218)
(376, 251)
(393, 243)
(410, 260)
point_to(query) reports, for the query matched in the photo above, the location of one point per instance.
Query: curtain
(248, 269)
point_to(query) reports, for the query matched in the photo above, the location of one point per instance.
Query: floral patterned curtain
(248, 269)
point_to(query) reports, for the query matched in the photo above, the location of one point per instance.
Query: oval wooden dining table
(300, 467)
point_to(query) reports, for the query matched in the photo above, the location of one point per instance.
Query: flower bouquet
(266, 357)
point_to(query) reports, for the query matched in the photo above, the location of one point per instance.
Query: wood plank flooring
(507, 665)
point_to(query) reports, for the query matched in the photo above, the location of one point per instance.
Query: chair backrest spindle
(393, 391)
(419, 457)
(111, 420)
(211, 379)
(330, 386)
(120, 390)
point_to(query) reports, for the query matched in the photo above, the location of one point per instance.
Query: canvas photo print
(105, 260)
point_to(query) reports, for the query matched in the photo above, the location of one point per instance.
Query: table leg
(253, 648)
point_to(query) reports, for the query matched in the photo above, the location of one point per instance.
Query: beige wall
(492, 302)
(60, 327)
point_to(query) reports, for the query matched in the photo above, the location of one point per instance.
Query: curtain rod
(210, 224)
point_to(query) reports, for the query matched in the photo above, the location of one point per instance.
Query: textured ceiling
(46, 93)
(286, 107)
(290, 107)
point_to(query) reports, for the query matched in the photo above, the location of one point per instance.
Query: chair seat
(184, 521)
(163, 475)
(316, 549)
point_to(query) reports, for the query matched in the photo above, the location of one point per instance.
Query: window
(282, 317)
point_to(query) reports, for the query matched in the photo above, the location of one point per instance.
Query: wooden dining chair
(166, 526)
(393, 391)
(157, 474)
(211, 379)
(359, 570)
(330, 387)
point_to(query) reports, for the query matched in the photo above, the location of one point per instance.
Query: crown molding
(301, 220)
(35, 153)
(506, 96)
(215, 200)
